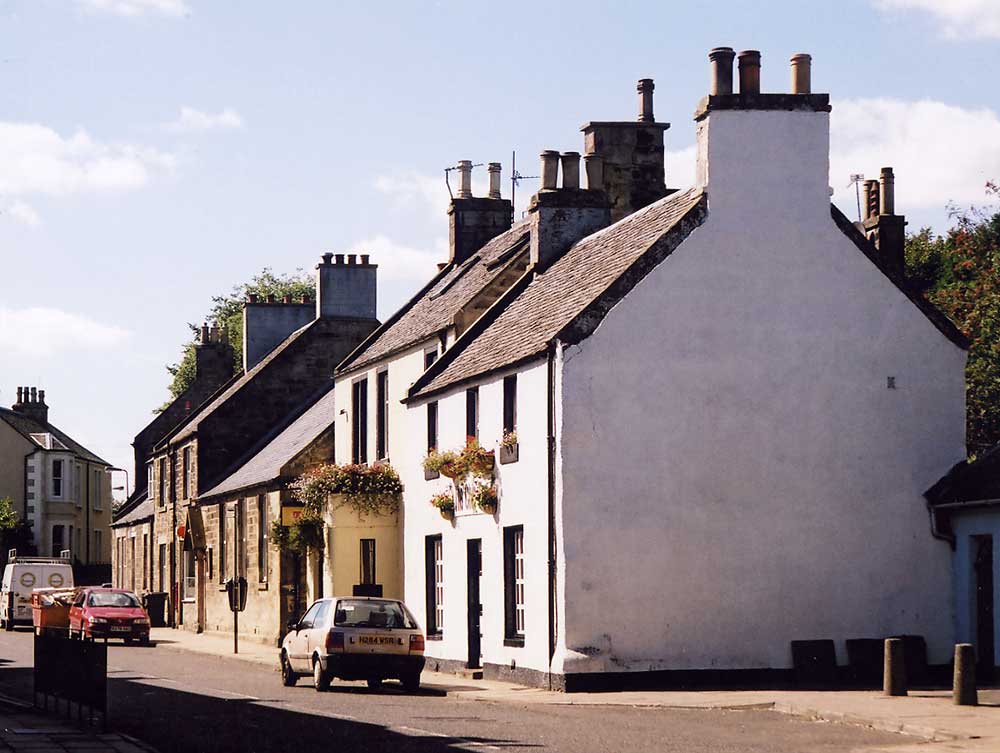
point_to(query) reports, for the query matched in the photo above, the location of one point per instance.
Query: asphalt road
(181, 701)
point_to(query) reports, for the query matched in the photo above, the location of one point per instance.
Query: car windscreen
(112, 599)
(373, 614)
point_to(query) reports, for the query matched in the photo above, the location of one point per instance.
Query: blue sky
(154, 153)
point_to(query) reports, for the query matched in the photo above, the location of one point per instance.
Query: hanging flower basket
(485, 498)
(445, 505)
(368, 489)
(479, 461)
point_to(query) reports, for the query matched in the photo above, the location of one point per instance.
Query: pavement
(24, 729)
(927, 716)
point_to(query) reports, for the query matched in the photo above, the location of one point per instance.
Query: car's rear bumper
(363, 666)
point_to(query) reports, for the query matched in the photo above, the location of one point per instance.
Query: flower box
(431, 475)
(508, 453)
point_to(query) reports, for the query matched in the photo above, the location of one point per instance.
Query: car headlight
(96, 620)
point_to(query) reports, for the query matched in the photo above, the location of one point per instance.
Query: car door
(76, 611)
(316, 635)
(298, 640)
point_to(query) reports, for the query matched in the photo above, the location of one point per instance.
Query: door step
(471, 674)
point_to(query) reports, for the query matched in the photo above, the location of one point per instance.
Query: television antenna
(857, 179)
(515, 181)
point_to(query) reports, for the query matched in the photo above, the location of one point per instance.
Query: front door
(983, 566)
(475, 572)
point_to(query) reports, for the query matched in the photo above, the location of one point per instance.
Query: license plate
(377, 640)
(121, 629)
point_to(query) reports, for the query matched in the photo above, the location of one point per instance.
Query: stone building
(220, 435)
(59, 486)
(722, 406)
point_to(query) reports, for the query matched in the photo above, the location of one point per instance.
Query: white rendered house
(728, 404)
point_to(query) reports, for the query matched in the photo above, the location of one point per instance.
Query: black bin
(156, 605)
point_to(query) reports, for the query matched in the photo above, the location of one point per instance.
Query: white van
(24, 574)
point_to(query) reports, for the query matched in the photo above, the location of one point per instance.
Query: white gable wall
(728, 441)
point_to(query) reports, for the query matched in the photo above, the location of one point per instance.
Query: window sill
(190, 600)
(262, 586)
(435, 637)
(514, 642)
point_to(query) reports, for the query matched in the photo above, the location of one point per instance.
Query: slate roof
(569, 298)
(969, 482)
(140, 511)
(432, 309)
(266, 464)
(188, 428)
(26, 426)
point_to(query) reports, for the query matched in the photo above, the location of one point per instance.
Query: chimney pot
(340, 258)
(34, 395)
(204, 327)
(327, 257)
(749, 65)
(352, 258)
(271, 298)
(801, 73)
(20, 392)
(571, 169)
(286, 299)
(365, 258)
(494, 171)
(253, 299)
(594, 165)
(41, 396)
(645, 88)
(721, 59)
(871, 199)
(305, 298)
(464, 179)
(887, 195)
(550, 169)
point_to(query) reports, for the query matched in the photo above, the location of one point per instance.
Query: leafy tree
(227, 313)
(14, 533)
(959, 272)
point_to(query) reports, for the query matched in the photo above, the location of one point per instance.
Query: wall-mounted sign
(181, 531)
(290, 515)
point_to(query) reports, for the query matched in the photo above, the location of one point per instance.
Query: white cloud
(22, 212)
(940, 153)
(401, 263)
(407, 188)
(137, 7)
(37, 160)
(191, 120)
(960, 18)
(40, 331)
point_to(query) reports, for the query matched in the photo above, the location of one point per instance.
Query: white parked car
(354, 638)
(21, 576)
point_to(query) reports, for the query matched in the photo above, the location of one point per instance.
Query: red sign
(181, 531)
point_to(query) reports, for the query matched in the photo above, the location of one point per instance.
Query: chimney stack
(346, 290)
(749, 65)
(645, 88)
(571, 169)
(31, 403)
(631, 155)
(802, 73)
(474, 222)
(881, 225)
(722, 70)
(494, 171)
(560, 217)
(464, 179)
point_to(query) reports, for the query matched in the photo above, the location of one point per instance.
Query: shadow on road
(173, 720)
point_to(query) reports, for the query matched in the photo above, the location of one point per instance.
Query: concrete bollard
(894, 668)
(963, 691)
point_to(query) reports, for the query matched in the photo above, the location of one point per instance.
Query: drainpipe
(552, 503)
(175, 595)
(937, 532)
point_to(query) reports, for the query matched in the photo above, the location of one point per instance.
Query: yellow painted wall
(345, 529)
(13, 448)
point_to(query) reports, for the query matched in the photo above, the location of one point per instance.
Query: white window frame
(61, 478)
(519, 582)
(439, 583)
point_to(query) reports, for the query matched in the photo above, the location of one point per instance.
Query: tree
(14, 533)
(959, 272)
(227, 313)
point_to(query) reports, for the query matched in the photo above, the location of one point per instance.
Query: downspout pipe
(936, 532)
(551, 423)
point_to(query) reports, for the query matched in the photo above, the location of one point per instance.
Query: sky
(154, 153)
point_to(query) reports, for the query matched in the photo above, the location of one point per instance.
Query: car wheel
(288, 677)
(144, 640)
(374, 683)
(411, 682)
(321, 679)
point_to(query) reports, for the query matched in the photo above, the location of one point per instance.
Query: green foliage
(8, 516)
(959, 273)
(14, 533)
(227, 313)
(371, 490)
(444, 502)
(304, 535)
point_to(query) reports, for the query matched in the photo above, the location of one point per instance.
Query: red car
(108, 613)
